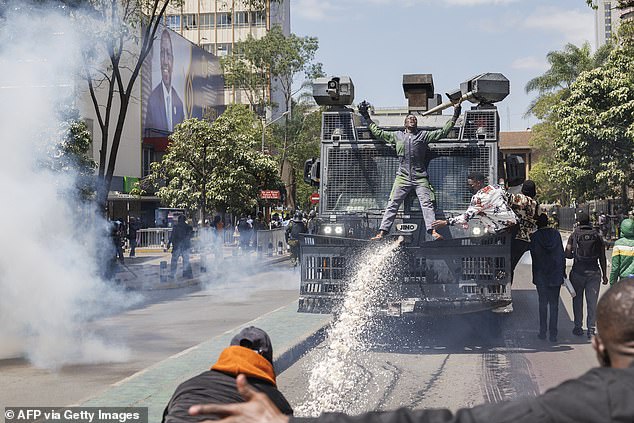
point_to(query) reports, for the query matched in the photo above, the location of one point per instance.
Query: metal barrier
(271, 242)
(153, 237)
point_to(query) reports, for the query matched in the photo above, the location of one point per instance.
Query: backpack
(589, 245)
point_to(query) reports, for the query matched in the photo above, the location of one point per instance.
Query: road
(163, 324)
(453, 362)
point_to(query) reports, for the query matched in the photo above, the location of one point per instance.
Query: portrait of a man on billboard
(164, 106)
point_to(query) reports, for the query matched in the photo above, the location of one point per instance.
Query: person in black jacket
(604, 394)
(250, 353)
(549, 271)
(181, 239)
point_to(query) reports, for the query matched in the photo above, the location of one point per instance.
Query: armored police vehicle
(466, 272)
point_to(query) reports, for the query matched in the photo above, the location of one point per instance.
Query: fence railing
(264, 241)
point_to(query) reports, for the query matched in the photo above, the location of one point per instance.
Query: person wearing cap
(524, 206)
(623, 253)
(250, 353)
(603, 394)
(413, 154)
(587, 249)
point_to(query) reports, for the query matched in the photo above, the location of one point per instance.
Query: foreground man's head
(614, 342)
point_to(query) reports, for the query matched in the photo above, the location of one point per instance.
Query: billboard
(179, 81)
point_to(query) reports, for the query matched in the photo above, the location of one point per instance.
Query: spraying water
(332, 378)
(50, 239)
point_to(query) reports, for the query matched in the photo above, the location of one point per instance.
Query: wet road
(164, 323)
(455, 362)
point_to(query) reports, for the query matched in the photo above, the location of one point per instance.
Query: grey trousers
(587, 282)
(399, 192)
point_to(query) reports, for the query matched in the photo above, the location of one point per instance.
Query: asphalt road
(164, 323)
(454, 362)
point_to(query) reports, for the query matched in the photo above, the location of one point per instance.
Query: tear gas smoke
(335, 374)
(50, 240)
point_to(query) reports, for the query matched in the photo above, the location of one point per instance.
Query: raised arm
(377, 132)
(432, 136)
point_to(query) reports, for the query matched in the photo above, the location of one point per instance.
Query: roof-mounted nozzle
(335, 91)
(483, 89)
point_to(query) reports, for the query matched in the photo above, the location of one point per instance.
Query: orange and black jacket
(218, 385)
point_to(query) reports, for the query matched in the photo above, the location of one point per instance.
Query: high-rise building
(216, 25)
(608, 18)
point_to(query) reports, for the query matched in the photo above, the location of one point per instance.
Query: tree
(215, 166)
(596, 124)
(280, 59)
(552, 88)
(303, 129)
(124, 32)
(69, 155)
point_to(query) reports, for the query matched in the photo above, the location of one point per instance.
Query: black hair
(476, 176)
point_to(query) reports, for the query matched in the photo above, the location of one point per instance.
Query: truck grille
(338, 124)
(360, 178)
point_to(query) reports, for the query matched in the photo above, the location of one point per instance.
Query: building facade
(608, 18)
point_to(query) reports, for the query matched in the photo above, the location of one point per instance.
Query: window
(223, 49)
(209, 47)
(258, 18)
(207, 20)
(241, 19)
(148, 157)
(223, 19)
(190, 21)
(173, 22)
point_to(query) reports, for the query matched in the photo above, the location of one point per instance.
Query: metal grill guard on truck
(470, 270)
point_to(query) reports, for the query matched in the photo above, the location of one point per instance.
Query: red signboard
(270, 194)
(314, 197)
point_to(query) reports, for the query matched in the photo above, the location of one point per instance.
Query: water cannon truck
(468, 271)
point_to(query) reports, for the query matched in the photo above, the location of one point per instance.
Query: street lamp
(265, 125)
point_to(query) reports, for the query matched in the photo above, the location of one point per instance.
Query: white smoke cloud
(47, 258)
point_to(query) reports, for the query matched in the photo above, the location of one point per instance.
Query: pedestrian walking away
(549, 271)
(133, 227)
(488, 203)
(603, 394)
(587, 249)
(180, 239)
(250, 353)
(293, 230)
(623, 254)
(412, 151)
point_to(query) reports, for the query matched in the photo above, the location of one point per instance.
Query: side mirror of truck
(311, 172)
(515, 170)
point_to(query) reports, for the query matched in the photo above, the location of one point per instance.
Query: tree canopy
(215, 166)
(596, 142)
(553, 87)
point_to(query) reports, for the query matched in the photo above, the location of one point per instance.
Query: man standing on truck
(488, 203)
(412, 150)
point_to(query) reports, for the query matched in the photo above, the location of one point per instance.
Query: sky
(375, 42)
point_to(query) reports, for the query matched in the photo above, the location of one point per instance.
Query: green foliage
(275, 55)
(596, 143)
(553, 87)
(70, 155)
(303, 132)
(216, 165)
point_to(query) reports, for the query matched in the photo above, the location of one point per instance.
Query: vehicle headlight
(327, 230)
(476, 231)
(339, 230)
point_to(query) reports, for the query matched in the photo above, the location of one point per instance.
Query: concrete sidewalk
(292, 334)
(143, 272)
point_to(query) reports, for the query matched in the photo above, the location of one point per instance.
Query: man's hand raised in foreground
(257, 408)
